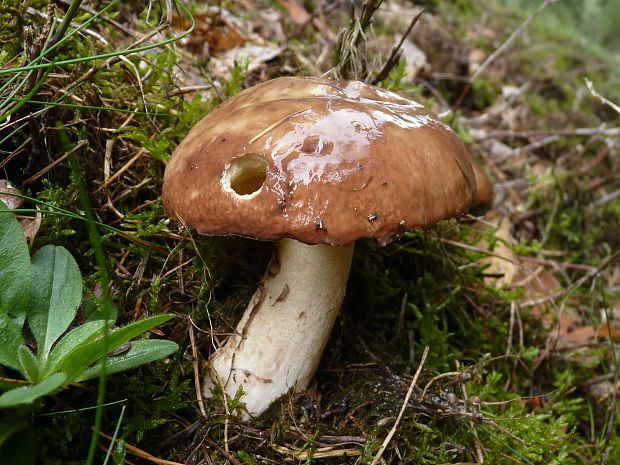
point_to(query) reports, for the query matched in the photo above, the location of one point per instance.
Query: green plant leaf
(56, 295)
(10, 340)
(15, 271)
(28, 394)
(71, 341)
(141, 353)
(85, 355)
(28, 364)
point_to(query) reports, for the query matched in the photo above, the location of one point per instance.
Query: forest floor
(501, 327)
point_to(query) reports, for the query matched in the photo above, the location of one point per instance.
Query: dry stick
(276, 124)
(493, 56)
(54, 163)
(605, 199)
(568, 290)
(530, 273)
(187, 89)
(35, 12)
(556, 264)
(478, 444)
(142, 454)
(395, 55)
(602, 130)
(438, 377)
(319, 453)
(15, 152)
(513, 311)
(388, 438)
(125, 167)
(602, 99)
(104, 18)
(197, 384)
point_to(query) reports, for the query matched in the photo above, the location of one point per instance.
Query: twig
(555, 264)
(320, 453)
(125, 167)
(605, 199)
(388, 438)
(602, 99)
(143, 454)
(395, 55)
(509, 134)
(477, 443)
(276, 124)
(527, 148)
(614, 394)
(493, 56)
(35, 12)
(513, 311)
(568, 290)
(187, 89)
(104, 18)
(197, 384)
(436, 378)
(36, 176)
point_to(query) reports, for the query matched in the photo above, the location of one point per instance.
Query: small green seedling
(45, 292)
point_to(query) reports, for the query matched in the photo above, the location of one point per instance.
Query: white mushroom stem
(279, 341)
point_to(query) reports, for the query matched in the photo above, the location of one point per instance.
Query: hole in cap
(246, 175)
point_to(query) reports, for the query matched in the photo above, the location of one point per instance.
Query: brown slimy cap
(319, 161)
(484, 188)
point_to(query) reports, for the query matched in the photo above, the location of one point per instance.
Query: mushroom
(484, 187)
(314, 164)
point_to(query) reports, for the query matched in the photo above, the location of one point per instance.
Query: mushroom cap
(484, 187)
(319, 161)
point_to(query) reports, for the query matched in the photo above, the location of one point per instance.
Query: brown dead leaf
(298, 13)
(501, 263)
(578, 337)
(539, 282)
(604, 332)
(10, 200)
(216, 28)
(583, 335)
(227, 41)
(253, 54)
(30, 224)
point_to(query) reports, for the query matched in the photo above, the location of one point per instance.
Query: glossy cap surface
(319, 161)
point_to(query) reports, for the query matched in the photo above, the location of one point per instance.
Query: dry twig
(388, 438)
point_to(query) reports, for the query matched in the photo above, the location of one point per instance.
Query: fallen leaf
(30, 224)
(300, 17)
(605, 332)
(10, 200)
(578, 337)
(216, 28)
(501, 263)
(298, 13)
(253, 54)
